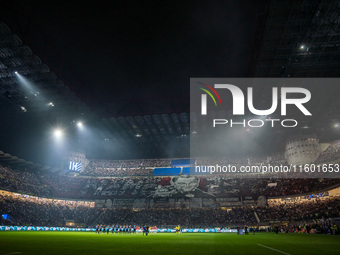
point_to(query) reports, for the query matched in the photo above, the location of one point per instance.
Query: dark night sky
(135, 57)
(129, 58)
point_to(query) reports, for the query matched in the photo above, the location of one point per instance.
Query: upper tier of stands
(146, 167)
(133, 179)
(138, 167)
(48, 185)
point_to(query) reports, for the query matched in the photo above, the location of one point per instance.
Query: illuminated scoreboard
(74, 162)
(74, 166)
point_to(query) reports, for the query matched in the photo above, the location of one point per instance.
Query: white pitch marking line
(273, 249)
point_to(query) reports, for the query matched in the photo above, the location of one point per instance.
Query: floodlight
(58, 133)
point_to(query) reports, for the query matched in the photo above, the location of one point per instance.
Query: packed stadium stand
(30, 211)
(159, 167)
(134, 194)
(162, 191)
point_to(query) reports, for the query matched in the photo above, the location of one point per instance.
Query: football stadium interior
(81, 175)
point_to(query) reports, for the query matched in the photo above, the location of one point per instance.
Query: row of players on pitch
(121, 229)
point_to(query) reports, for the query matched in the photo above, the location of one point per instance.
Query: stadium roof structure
(17, 163)
(301, 39)
(153, 135)
(18, 57)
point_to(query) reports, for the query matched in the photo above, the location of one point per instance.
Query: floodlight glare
(79, 124)
(302, 47)
(58, 133)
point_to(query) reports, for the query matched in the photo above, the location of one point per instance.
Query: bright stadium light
(28, 87)
(80, 124)
(58, 133)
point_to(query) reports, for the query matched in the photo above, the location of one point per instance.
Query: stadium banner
(154, 230)
(38, 228)
(263, 127)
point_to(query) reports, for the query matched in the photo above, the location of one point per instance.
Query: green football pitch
(165, 243)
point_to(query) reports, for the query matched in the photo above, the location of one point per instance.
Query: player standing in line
(177, 230)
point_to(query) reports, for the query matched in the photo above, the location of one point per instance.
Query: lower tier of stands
(49, 213)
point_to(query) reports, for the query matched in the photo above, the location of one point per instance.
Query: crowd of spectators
(331, 153)
(23, 181)
(320, 226)
(146, 187)
(48, 185)
(25, 211)
(119, 168)
(145, 167)
(308, 210)
(295, 186)
(42, 212)
(132, 179)
(210, 217)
